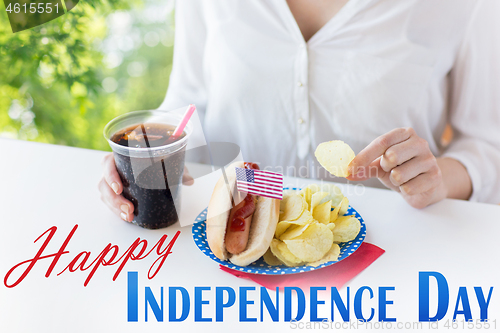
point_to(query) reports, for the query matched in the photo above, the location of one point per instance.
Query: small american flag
(264, 183)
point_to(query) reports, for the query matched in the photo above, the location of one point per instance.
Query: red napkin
(334, 276)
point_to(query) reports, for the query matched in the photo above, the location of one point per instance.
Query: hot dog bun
(218, 211)
(262, 231)
(262, 228)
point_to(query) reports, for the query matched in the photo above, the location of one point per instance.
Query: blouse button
(300, 84)
(301, 121)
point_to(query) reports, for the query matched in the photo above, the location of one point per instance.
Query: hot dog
(240, 217)
(240, 226)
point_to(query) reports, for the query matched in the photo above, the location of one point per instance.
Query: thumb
(371, 171)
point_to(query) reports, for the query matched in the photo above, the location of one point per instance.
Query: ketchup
(251, 166)
(238, 221)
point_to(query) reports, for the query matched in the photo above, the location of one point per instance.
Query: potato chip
(346, 229)
(331, 255)
(306, 194)
(335, 157)
(290, 259)
(344, 206)
(271, 259)
(310, 189)
(334, 194)
(314, 188)
(281, 228)
(316, 199)
(286, 194)
(308, 228)
(312, 244)
(281, 251)
(304, 219)
(334, 214)
(321, 213)
(293, 231)
(294, 207)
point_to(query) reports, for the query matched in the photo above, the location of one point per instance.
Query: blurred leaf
(51, 75)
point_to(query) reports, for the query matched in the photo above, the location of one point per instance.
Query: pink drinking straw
(180, 128)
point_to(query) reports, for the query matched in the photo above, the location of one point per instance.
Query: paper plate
(260, 267)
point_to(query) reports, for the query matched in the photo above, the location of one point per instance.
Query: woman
(279, 77)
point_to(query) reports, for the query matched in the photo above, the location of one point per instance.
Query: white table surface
(46, 185)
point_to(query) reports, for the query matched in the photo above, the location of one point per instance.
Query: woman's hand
(111, 189)
(403, 162)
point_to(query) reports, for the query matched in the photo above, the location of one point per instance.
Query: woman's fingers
(371, 171)
(411, 169)
(378, 147)
(403, 162)
(117, 203)
(424, 197)
(402, 152)
(110, 174)
(111, 188)
(374, 170)
(422, 183)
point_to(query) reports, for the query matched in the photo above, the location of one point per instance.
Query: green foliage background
(53, 77)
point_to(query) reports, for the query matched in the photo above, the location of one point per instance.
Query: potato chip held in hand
(335, 157)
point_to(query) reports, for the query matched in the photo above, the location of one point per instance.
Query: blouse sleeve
(475, 103)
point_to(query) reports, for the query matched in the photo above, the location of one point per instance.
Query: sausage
(238, 226)
(240, 217)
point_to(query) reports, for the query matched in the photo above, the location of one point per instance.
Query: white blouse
(375, 66)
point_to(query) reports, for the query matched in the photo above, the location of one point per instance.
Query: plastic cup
(151, 175)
